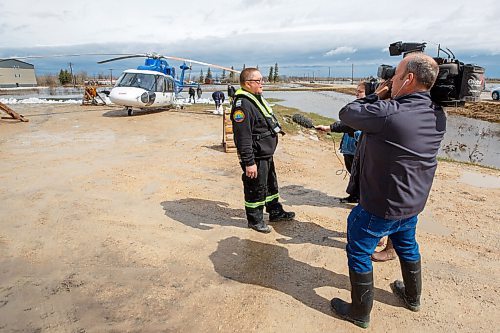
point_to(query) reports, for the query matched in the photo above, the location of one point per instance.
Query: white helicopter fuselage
(143, 89)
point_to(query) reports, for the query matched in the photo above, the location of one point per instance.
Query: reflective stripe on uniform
(262, 203)
(272, 197)
(254, 204)
(264, 107)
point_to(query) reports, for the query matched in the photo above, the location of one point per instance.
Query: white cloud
(341, 50)
(249, 31)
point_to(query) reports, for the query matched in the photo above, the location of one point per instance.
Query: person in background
(230, 93)
(398, 160)
(348, 143)
(218, 97)
(351, 160)
(198, 91)
(256, 132)
(191, 95)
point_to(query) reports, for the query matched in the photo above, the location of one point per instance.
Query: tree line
(233, 78)
(65, 77)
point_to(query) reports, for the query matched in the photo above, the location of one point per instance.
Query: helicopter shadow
(300, 195)
(137, 113)
(270, 266)
(204, 214)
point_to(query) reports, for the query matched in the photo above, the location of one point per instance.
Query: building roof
(9, 63)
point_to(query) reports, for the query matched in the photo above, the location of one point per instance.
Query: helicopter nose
(148, 98)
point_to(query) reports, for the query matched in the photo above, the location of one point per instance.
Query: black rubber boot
(357, 312)
(410, 289)
(260, 227)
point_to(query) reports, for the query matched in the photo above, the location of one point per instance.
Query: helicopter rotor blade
(60, 55)
(200, 63)
(123, 57)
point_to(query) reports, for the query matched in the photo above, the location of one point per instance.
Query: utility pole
(72, 77)
(111, 75)
(352, 74)
(328, 73)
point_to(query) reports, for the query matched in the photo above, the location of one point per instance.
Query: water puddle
(480, 180)
(427, 223)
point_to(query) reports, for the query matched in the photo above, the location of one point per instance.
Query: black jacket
(397, 152)
(247, 127)
(218, 96)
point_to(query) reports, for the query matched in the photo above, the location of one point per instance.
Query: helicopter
(152, 85)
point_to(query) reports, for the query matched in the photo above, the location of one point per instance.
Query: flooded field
(466, 140)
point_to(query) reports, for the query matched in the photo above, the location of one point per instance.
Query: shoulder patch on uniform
(239, 116)
(238, 103)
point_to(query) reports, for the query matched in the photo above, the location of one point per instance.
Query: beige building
(16, 73)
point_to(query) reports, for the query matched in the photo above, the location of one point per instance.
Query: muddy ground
(112, 223)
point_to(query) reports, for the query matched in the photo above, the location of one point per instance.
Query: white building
(16, 73)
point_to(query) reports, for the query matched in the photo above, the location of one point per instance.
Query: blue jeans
(364, 230)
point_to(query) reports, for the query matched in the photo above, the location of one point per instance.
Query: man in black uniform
(256, 136)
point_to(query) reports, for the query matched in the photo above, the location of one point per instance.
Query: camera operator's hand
(322, 128)
(383, 90)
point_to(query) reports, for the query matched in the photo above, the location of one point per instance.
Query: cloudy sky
(305, 38)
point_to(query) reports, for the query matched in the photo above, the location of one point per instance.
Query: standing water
(466, 139)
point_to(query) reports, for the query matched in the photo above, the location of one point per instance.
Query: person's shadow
(299, 195)
(270, 266)
(308, 232)
(202, 214)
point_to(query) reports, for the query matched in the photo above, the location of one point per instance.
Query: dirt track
(136, 224)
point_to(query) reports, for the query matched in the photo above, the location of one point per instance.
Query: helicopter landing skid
(129, 110)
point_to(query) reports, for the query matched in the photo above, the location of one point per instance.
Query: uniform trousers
(261, 192)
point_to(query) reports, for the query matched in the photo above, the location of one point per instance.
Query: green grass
(284, 115)
(450, 160)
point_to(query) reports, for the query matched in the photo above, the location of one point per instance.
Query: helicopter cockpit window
(138, 80)
(160, 87)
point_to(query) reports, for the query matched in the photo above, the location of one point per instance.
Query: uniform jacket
(398, 151)
(248, 123)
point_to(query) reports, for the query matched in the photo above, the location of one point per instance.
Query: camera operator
(401, 139)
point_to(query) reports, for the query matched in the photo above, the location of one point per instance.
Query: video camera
(386, 72)
(456, 82)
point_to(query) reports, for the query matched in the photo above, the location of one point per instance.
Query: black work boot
(357, 312)
(260, 227)
(281, 215)
(410, 289)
